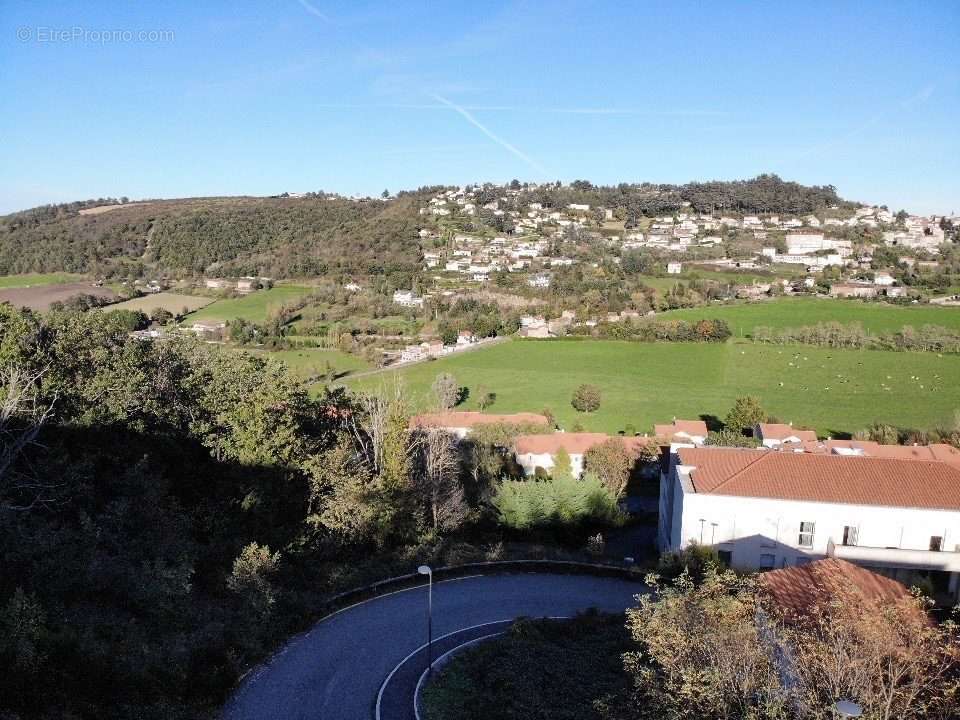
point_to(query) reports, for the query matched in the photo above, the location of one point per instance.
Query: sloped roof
(573, 443)
(854, 480)
(690, 427)
(797, 590)
(781, 431)
(469, 419)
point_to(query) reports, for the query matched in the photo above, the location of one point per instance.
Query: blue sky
(261, 97)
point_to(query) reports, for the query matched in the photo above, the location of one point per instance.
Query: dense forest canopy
(762, 194)
(290, 237)
(275, 237)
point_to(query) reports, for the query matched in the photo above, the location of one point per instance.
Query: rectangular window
(806, 534)
(767, 561)
(936, 543)
(725, 556)
(849, 535)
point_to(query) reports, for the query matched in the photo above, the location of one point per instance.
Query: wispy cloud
(490, 134)
(911, 103)
(524, 108)
(312, 9)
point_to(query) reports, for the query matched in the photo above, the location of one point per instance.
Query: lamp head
(424, 570)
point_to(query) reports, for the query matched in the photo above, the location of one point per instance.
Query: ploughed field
(41, 296)
(833, 391)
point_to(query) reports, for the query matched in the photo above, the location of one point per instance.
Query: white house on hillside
(406, 298)
(764, 509)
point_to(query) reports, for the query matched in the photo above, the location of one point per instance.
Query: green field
(834, 391)
(666, 282)
(308, 363)
(794, 312)
(254, 307)
(35, 279)
(171, 302)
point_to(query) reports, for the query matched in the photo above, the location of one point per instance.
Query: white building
(674, 268)
(765, 509)
(533, 451)
(406, 298)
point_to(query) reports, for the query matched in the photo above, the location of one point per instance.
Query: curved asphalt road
(334, 671)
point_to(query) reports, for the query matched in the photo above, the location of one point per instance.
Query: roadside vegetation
(709, 645)
(539, 670)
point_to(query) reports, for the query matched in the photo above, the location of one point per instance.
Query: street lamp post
(425, 570)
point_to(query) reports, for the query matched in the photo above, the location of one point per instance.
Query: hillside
(275, 237)
(295, 237)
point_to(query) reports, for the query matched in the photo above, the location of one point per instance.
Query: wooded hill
(295, 237)
(273, 237)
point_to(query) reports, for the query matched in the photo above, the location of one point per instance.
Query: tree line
(929, 338)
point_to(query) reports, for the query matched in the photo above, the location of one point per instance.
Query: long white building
(763, 509)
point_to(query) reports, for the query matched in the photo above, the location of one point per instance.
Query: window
(725, 556)
(806, 534)
(936, 543)
(849, 535)
(767, 561)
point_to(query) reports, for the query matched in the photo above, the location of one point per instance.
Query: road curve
(334, 671)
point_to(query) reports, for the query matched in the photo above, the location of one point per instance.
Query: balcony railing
(896, 557)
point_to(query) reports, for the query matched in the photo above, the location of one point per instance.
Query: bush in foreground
(523, 504)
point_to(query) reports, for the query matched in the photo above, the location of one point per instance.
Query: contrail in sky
(490, 134)
(313, 10)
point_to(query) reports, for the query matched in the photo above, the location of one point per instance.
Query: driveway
(335, 671)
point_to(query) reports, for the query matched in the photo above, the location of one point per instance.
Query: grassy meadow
(833, 391)
(307, 363)
(794, 312)
(254, 307)
(171, 302)
(35, 279)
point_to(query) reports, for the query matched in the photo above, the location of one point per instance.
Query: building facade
(765, 509)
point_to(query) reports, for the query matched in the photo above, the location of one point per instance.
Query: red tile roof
(469, 419)
(938, 451)
(690, 427)
(854, 480)
(780, 431)
(798, 590)
(573, 443)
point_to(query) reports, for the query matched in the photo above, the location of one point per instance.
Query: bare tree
(23, 412)
(371, 428)
(436, 478)
(445, 391)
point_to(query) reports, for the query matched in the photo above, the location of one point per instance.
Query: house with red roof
(801, 590)
(682, 431)
(460, 423)
(533, 451)
(776, 434)
(763, 509)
